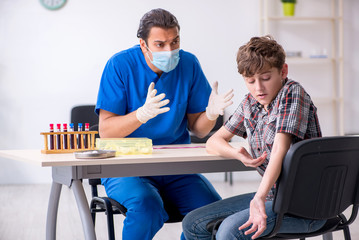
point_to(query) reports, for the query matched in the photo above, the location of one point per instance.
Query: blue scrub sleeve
(112, 94)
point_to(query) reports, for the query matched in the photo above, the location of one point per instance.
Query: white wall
(53, 60)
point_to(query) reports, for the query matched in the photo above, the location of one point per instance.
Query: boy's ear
(284, 71)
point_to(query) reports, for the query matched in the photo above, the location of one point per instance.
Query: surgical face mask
(166, 61)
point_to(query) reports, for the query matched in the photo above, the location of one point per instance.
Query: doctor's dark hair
(259, 53)
(156, 18)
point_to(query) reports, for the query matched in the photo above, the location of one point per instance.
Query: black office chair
(319, 180)
(219, 124)
(86, 114)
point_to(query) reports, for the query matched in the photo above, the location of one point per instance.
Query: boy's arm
(281, 145)
(257, 219)
(218, 144)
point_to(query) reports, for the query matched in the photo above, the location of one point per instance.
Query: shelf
(274, 18)
(326, 100)
(308, 60)
(328, 24)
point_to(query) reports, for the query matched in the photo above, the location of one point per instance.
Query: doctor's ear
(143, 44)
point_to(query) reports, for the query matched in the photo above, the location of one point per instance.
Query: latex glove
(217, 103)
(153, 105)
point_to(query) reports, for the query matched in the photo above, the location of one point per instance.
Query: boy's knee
(194, 227)
(228, 230)
(187, 224)
(224, 234)
(191, 220)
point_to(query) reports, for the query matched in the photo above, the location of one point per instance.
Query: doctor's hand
(153, 105)
(217, 103)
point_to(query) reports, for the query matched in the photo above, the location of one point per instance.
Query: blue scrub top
(124, 85)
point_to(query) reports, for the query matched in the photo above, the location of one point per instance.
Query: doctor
(158, 91)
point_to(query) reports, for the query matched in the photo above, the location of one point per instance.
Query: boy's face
(265, 85)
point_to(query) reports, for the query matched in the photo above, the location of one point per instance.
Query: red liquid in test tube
(51, 136)
(58, 136)
(65, 136)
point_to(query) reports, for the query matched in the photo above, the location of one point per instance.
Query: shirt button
(258, 149)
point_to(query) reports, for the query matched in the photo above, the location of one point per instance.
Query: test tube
(65, 136)
(86, 140)
(51, 136)
(79, 142)
(58, 136)
(72, 144)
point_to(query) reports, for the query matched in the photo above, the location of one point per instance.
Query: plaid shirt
(292, 111)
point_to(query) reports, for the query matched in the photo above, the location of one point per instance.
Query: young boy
(276, 113)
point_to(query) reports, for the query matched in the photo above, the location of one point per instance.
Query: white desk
(169, 159)
(69, 171)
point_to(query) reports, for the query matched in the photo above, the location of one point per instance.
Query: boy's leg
(194, 224)
(229, 227)
(145, 211)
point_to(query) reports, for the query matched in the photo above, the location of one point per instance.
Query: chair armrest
(109, 205)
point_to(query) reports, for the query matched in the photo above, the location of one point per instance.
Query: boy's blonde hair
(259, 53)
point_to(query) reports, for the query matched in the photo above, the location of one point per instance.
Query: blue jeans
(236, 213)
(145, 210)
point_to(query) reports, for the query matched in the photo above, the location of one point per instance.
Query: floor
(23, 213)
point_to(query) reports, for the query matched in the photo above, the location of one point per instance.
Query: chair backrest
(218, 125)
(319, 178)
(84, 114)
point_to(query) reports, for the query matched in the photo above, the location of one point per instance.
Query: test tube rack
(72, 141)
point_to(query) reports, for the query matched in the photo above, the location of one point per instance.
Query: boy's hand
(257, 218)
(153, 105)
(247, 159)
(217, 103)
